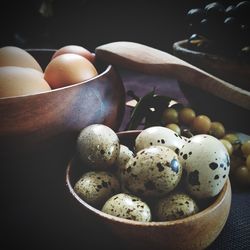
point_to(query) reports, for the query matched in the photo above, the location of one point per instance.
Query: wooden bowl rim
(104, 72)
(215, 205)
(180, 46)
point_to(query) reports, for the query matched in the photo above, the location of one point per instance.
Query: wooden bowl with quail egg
(137, 218)
(36, 118)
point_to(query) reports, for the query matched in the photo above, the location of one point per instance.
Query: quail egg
(124, 156)
(175, 206)
(207, 164)
(98, 146)
(158, 135)
(128, 207)
(153, 172)
(96, 187)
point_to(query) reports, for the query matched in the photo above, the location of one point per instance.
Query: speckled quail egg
(207, 164)
(128, 207)
(158, 135)
(175, 206)
(98, 146)
(153, 172)
(124, 156)
(96, 187)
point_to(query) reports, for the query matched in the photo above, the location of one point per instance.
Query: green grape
(235, 162)
(228, 146)
(248, 162)
(217, 130)
(186, 116)
(245, 148)
(201, 124)
(170, 115)
(234, 139)
(174, 127)
(242, 175)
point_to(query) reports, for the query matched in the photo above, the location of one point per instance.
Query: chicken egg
(75, 49)
(14, 56)
(17, 81)
(68, 69)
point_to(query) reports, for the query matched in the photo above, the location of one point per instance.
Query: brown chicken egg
(14, 56)
(18, 81)
(75, 49)
(68, 69)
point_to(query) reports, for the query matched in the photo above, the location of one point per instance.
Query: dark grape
(195, 15)
(211, 30)
(221, 29)
(215, 11)
(242, 11)
(198, 42)
(230, 10)
(245, 35)
(232, 35)
(232, 26)
(232, 23)
(205, 28)
(245, 54)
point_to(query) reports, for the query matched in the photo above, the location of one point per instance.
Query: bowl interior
(133, 230)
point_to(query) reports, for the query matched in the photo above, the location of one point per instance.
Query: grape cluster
(184, 121)
(221, 29)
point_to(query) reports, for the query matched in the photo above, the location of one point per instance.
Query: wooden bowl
(232, 71)
(50, 121)
(194, 232)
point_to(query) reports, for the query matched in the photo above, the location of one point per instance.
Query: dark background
(91, 23)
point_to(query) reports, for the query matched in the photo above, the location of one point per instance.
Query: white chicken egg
(158, 135)
(14, 56)
(207, 164)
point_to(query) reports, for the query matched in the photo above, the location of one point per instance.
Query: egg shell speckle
(175, 206)
(158, 135)
(128, 207)
(96, 187)
(207, 164)
(98, 146)
(153, 172)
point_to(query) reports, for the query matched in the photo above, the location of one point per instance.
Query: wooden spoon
(146, 59)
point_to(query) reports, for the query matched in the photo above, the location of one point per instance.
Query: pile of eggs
(21, 74)
(163, 177)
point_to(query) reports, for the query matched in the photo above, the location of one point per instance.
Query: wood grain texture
(48, 121)
(194, 232)
(149, 60)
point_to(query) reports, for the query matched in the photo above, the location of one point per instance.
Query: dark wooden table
(38, 212)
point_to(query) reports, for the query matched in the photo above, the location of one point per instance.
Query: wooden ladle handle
(146, 59)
